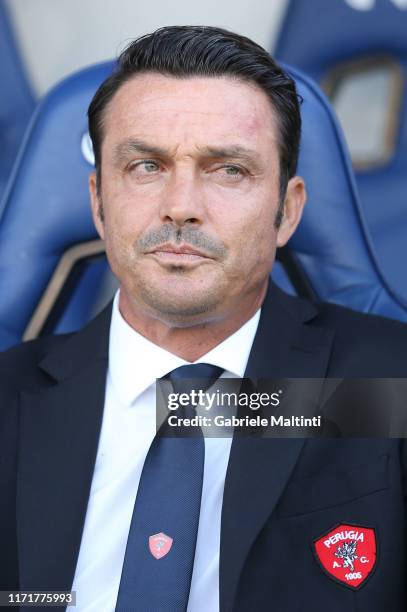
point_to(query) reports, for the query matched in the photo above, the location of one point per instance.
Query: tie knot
(194, 376)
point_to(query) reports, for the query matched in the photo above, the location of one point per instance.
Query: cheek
(126, 219)
(121, 233)
(257, 247)
(251, 251)
(249, 229)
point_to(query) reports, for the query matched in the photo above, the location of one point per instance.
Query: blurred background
(56, 37)
(352, 246)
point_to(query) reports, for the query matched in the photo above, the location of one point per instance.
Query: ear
(96, 204)
(294, 203)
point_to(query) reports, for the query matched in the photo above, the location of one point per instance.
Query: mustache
(213, 247)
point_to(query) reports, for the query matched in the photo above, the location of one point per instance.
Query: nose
(182, 199)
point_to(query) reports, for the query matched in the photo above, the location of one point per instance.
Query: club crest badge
(347, 553)
(160, 545)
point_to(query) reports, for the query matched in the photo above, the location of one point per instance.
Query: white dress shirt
(128, 428)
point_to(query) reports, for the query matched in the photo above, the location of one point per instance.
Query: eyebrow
(131, 146)
(128, 147)
(233, 152)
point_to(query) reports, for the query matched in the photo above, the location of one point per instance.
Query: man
(196, 140)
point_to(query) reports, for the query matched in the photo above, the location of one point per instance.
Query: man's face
(189, 194)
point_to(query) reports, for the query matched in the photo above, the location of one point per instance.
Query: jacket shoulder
(353, 321)
(369, 345)
(19, 364)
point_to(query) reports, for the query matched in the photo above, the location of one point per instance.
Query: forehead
(196, 111)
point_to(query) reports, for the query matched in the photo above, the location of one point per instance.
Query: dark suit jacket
(280, 494)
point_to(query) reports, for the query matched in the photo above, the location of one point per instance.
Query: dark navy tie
(159, 559)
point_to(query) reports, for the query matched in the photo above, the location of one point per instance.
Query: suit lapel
(286, 345)
(61, 422)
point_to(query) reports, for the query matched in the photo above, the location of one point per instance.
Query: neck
(189, 343)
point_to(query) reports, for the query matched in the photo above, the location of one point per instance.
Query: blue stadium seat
(361, 45)
(16, 98)
(47, 215)
(46, 210)
(332, 243)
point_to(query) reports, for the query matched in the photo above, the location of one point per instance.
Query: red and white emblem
(347, 553)
(160, 545)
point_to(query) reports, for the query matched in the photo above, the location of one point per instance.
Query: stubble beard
(180, 308)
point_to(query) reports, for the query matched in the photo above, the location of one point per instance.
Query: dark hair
(187, 51)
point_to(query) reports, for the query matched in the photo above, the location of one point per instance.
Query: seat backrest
(46, 224)
(332, 243)
(46, 209)
(357, 50)
(16, 98)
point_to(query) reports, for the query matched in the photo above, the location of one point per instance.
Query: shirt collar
(135, 362)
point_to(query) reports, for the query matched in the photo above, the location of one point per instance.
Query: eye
(231, 171)
(145, 166)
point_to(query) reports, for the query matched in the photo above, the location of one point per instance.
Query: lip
(178, 255)
(180, 249)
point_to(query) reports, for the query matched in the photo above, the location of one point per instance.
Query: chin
(182, 307)
(182, 311)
